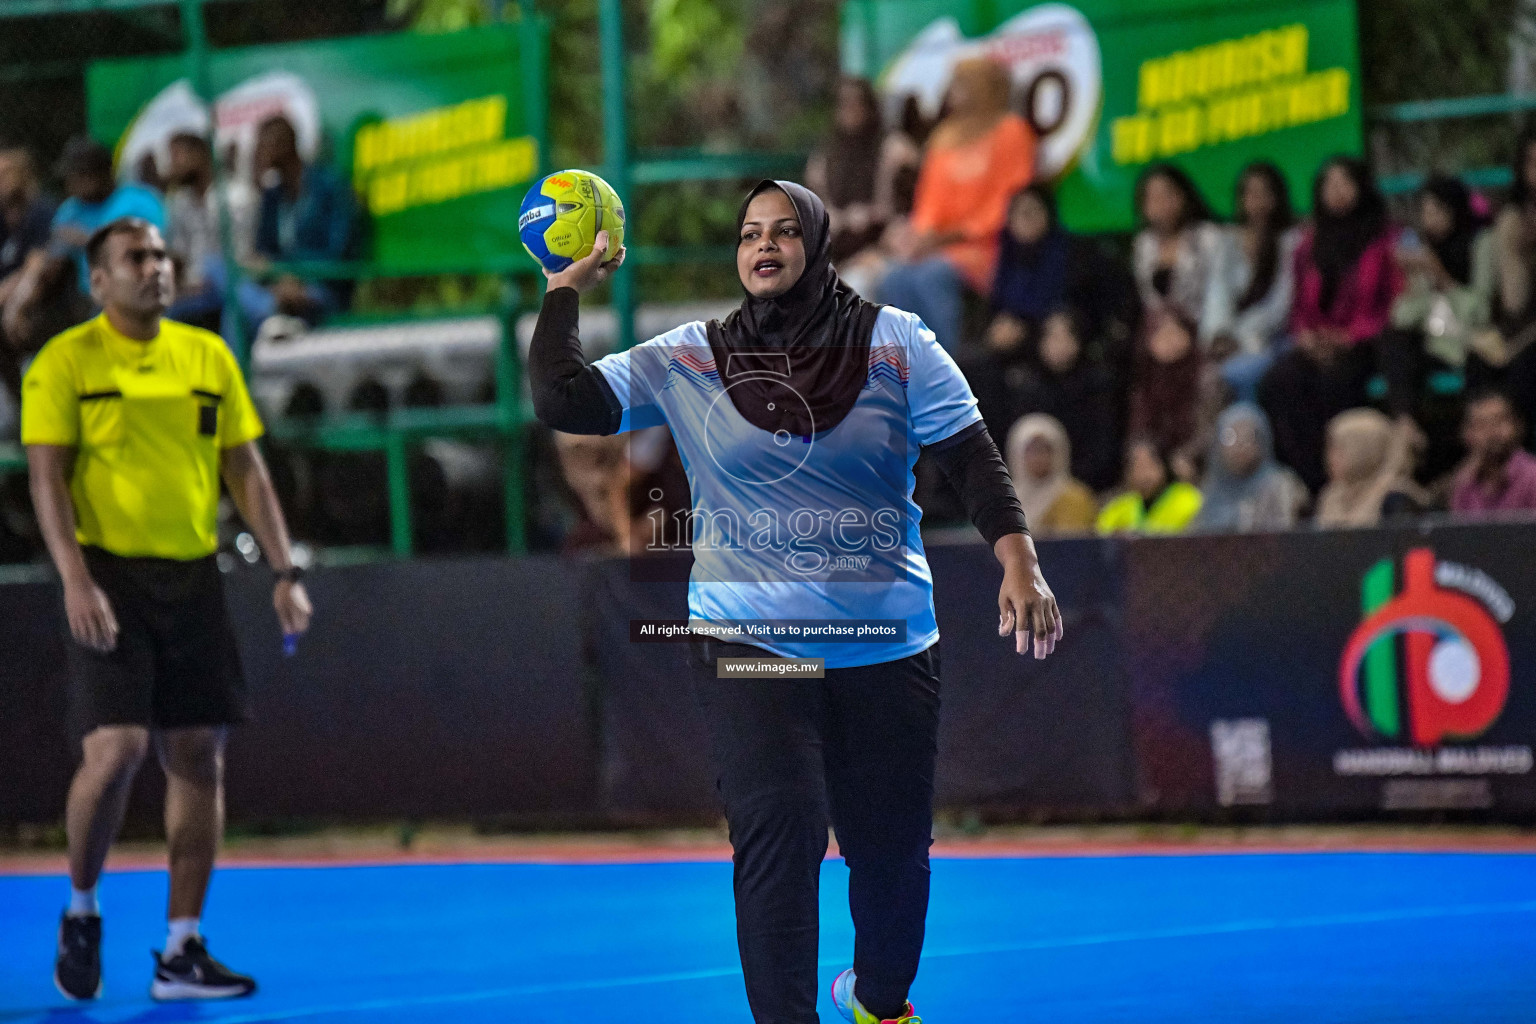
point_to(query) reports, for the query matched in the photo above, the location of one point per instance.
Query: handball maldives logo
(1428, 663)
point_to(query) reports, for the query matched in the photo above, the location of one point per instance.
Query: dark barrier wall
(1244, 692)
(35, 760)
(426, 688)
(509, 688)
(655, 754)
(1016, 732)
(1198, 674)
(430, 688)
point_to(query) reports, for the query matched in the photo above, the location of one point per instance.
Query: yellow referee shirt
(149, 420)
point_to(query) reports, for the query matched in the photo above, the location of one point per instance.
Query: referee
(130, 421)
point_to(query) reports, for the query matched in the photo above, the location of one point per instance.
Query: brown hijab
(1038, 497)
(799, 361)
(1376, 462)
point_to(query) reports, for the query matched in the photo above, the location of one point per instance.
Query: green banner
(438, 134)
(1113, 85)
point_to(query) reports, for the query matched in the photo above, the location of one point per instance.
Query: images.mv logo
(1432, 654)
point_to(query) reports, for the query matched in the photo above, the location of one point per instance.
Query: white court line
(1237, 927)
(1108, 938)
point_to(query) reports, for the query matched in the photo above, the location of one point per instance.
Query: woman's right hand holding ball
(589, 271)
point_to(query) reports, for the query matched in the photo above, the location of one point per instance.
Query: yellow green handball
(562, 214)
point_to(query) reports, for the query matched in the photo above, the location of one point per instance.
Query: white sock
(182, 929)
(82, 902)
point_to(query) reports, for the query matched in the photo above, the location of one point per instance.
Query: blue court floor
(1227, 938)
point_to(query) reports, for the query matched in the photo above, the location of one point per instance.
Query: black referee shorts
(176, 663)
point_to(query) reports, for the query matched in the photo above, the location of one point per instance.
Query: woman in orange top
(978, 157)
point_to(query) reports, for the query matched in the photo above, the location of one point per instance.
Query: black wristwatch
(292, 574)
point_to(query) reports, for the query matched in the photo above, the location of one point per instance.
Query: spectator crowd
(278, 208)
(1340, 369)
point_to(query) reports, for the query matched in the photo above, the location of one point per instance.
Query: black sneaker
(193, 974)
(77, 971)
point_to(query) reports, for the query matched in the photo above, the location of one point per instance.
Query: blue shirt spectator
(306, 210)
(95, 199)
(314, 225)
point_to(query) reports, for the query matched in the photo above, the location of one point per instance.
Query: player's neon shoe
(853, 1010)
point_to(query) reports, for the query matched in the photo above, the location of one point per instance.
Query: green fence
(507, 420)
(1455, 108)
(120, 87)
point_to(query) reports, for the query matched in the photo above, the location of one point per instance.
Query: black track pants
(857, 747)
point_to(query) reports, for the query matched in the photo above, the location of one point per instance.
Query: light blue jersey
(818, 529)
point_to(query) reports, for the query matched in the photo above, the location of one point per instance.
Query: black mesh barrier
(35, 760)
(1015, 734)
(1046, 736)
(1298, 676)
(655, 751)
(426, 688)
(1354, 674)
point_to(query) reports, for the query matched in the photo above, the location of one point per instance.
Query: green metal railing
(504, 421)
(508, 418)
(12, 459)
(11, 9)
(394, 432)
(666, 167)
(1452, 109)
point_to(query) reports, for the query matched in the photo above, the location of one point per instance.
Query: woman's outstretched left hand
(1025, 603)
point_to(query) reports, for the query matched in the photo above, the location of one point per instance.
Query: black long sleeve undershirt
(971, 463)
(568, 394)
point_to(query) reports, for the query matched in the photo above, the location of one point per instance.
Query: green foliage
(687, 69)
(428, 295)
(690, 213)
(575, 84)
(692, 40)
(1429, 49)
(440, 15)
